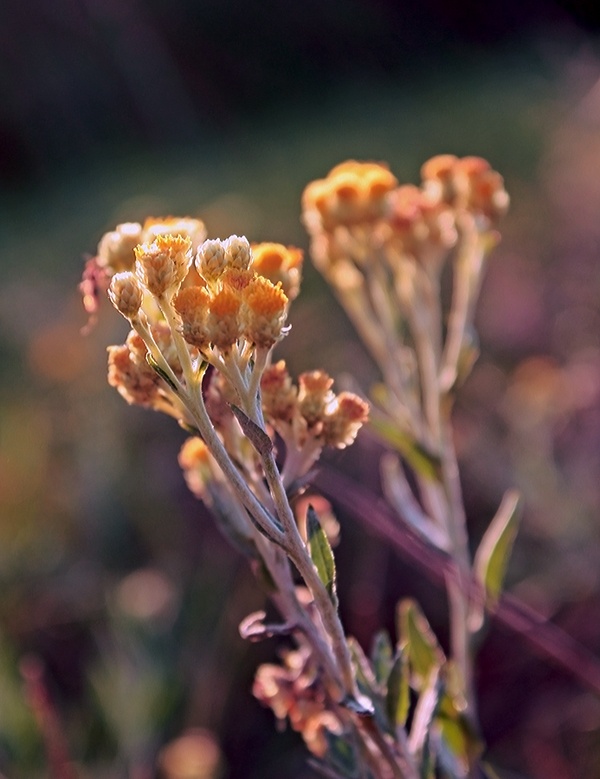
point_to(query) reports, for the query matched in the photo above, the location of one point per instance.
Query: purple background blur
(111, 574)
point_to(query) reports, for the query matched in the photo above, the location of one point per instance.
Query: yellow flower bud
(238, 252)
(211, 260)
(115, 250)
(125, 294)
(163, 264)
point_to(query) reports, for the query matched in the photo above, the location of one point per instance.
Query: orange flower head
(163, 264)
(278, 393)
(352, 193)
(264, 312)
(280, 264)
(223, 318)
(192, 305)
(314, 395)
(186, 227)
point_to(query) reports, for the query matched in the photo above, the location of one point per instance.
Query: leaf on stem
(163, 374)
(321, 553)
(255, 434)
(491, 558)
(418, 641)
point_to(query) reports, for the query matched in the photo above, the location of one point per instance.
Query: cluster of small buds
(223, 297)
(352, 194)
(116, 248)
(292, 690)
(466, 184)
(136, 381)
(310, 416)
(234, 299)
(359, 210)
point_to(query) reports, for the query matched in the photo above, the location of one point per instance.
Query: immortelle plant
(205, 316)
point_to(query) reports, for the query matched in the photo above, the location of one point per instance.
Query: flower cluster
(194, 302)
(293, 691)
(360, 211)
(384, 246)
(309, 416)
(218, 302)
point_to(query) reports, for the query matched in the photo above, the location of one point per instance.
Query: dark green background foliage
(110, 111)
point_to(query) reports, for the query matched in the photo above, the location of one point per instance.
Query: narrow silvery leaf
(320, 553)
(256, 435)
(163, 374)
(492, 556)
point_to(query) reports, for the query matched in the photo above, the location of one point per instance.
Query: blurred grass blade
(321, 554)
(421, 460)
(424, 713)
(382, 656)
(491, 558)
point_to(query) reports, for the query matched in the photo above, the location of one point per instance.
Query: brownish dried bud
(468, 183)
(341, 425)
(137, 383)
(195, 462)
(293, 691)
(278, 393)
(314, 395)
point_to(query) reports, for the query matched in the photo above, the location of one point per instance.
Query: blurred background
(119, 601)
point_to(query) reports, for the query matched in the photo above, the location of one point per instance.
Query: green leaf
(321, 554)
(421, 460)
(492, 556)
(397, 700)
(382, 656)
(341, 755)
(419, 641)
(163, 374)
